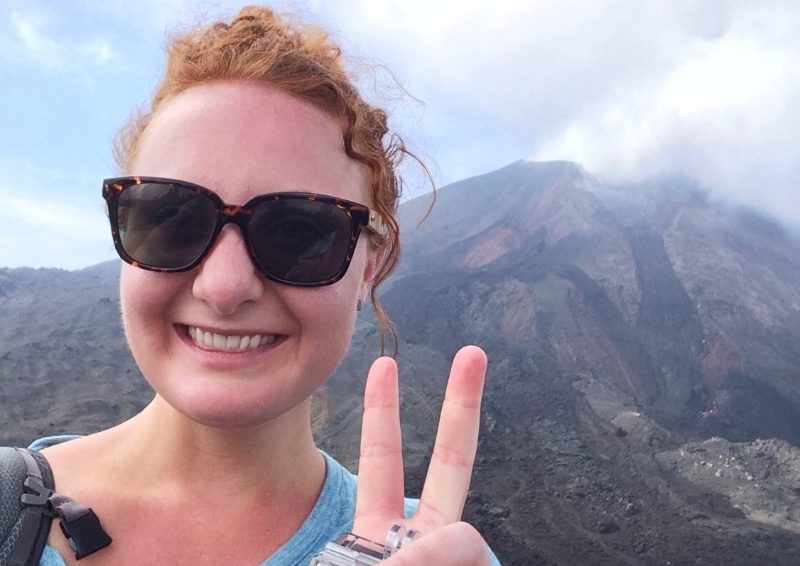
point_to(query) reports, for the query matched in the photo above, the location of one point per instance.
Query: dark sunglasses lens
(300, 241)
(164, 225)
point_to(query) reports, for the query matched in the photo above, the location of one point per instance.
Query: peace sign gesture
(444, 539)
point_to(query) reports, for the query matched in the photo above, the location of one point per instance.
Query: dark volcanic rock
(64, 364)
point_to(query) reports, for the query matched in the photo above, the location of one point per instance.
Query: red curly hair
(303, 61)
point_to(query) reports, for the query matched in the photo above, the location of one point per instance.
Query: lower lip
(225, 357)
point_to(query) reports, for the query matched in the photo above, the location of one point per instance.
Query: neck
(270, 459)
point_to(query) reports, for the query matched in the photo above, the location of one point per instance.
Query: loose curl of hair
(303, 61)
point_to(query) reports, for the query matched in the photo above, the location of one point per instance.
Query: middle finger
(450, 469)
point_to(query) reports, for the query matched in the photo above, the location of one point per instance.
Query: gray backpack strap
(28, 503)
(26, 484)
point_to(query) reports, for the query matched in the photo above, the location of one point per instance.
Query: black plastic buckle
(85, 534)
(36, 493)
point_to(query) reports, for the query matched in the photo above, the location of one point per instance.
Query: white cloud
(710, 88)
(44, 232)
(51, 217)
(96, 50)
(726, 113)
(40, 47)
(37, 35)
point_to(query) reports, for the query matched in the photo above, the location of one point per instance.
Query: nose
(227, 278)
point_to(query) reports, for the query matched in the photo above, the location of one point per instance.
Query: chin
(242, 410)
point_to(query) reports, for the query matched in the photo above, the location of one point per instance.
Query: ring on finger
(398, 536)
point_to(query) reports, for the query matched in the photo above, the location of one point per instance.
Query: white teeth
(229, 343)
(219, 341)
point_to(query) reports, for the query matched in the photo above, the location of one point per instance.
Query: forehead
(242, 139)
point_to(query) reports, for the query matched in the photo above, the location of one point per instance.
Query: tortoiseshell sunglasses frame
(359, 215)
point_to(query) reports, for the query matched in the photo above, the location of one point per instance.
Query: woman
(236, 326)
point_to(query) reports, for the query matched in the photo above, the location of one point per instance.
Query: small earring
(360, 304)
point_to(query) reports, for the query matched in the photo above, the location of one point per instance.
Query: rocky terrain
(643, 397)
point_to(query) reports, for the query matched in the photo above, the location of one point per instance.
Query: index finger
(450, 469)
(380, 490)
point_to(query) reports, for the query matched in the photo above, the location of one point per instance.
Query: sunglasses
(302, 239)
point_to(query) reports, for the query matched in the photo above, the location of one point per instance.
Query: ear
(375, 259)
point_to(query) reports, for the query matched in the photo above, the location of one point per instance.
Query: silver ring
(398, 537)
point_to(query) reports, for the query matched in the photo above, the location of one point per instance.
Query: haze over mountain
(643, 399)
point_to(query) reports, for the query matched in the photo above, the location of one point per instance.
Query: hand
(379, 502)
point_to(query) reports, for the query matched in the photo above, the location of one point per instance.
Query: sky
(627, 88)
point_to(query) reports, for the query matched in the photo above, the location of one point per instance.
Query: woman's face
(242, 139)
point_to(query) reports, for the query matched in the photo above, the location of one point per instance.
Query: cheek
(328, 311)
(135, 294)
(145, 297)
(327, 316)
(132, 297)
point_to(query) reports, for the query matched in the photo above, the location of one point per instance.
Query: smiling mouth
(230, 343)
